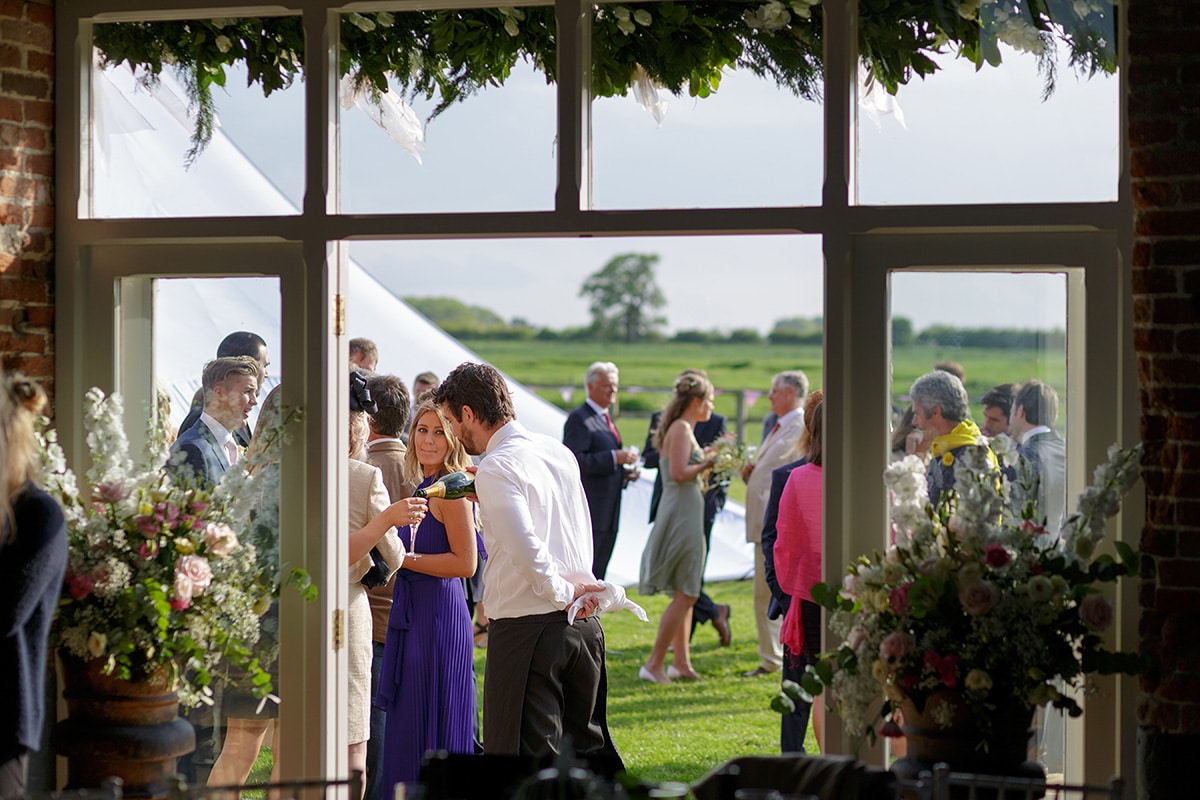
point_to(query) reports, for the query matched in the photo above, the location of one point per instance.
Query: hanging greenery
(680, 46)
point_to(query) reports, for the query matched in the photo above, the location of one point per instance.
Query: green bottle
(451, 487)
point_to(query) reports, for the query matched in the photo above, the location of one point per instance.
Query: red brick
(24, 291)
(25, 85)
(1154, 194)
(1179, 572)
(1160, 511)
(41, 13)
(1175, 252)
(41, 63)
(1177, 601)
(40, 367)
(1187, 341)
(1141, 305)
(39, 164)
(40, 317)
(1163, 163)
(1167, 223)
(1173, 311)
(22, 343)
(1189, 191)
(1160, 715)
(1155, 280)
(21, 136)
(1180, 687)
(30, 33)
(1189, 280)
(10, 57)
(1158, 539)
(39, 112)
(1154, 340)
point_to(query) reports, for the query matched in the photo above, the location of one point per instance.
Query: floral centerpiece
(158, 572)
(977, 597)
(729, 456)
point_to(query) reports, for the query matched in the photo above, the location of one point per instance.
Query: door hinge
(339, 629)
(339, 315)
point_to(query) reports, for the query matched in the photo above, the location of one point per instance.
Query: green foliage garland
(452, 54)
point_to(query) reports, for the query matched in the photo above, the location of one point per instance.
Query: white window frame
(855, 297)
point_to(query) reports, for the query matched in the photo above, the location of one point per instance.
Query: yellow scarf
(964, 433)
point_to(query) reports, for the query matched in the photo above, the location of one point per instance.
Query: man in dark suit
(205, 450)
(707, 432)
(1034, 412)
(238, 343)
(590, 434)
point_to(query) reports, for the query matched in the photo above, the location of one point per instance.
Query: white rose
(642, 17)
(96, 644)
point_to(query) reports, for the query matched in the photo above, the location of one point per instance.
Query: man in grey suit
(788, 390)
(204, 451)
(386, 451)
(1034, 411)
(238, 343)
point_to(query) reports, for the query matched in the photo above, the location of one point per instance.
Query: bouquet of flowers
(974, 595)
(729, 456)
(158, 572)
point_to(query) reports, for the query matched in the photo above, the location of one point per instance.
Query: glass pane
(160, 146)
(196, 320)
(660, 139)
(1010, 354)
(448, 137)
(518, 305)
(965, 136)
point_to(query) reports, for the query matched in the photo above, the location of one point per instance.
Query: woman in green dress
(673, 560)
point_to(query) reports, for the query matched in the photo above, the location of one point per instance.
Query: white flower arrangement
(974, 595)
(157, 572)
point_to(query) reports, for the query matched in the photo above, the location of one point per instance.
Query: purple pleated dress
(426, 682)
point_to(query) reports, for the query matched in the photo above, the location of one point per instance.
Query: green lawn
(681, 731)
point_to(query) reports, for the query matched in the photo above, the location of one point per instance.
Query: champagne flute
(412, 538)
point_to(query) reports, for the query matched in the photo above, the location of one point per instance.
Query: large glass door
(151, 316)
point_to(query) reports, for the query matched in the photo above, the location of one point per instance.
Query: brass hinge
(339, 315)
(339, 629)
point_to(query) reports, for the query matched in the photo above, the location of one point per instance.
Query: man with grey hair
(590, 434)
(940, 410)
(788, 390)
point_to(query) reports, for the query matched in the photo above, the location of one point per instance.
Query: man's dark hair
(392, 405)
(1001, 397)
(479, 386)
(365, 346)
(1040, 402)
(240, 343)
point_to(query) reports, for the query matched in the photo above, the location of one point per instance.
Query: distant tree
(623, 296)
(456, 317)
(693, 336)
(745, 336)
(902, 331)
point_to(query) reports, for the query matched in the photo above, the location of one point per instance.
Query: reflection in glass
(1010, 354)
(195, 320)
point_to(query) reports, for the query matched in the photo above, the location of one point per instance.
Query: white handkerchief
(611, 599)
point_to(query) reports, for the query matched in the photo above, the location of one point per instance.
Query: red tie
(772, 433)
(612, 428)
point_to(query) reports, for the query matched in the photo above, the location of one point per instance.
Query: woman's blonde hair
(360, 431)
(805, 445)
(456, 455)
(691, 384)
(21, 401)
(268, 419)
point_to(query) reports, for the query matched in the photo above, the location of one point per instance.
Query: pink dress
(798, 547)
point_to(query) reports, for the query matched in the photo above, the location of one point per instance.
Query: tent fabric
(140, 137)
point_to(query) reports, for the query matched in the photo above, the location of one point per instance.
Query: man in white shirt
(1034, 411)
(207, 449)
(545, 680)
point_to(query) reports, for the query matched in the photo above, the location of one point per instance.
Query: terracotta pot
(956, 743)
(125, 728)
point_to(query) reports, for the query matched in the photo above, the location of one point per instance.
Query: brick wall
(27, 187)
(1164, 136)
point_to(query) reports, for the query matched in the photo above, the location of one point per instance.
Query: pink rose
(220, 538)
(996, 556)
(183, 591)
(855, 638)
(978, 598)
(148, 549)
(1096, 612)
(111, 491)
(898, 598)
(946, 667)
(80, 586)
(148, 525)
(896, 646)
(890, 729)
(196, 570)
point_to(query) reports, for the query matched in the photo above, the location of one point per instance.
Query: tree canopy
(624, 296)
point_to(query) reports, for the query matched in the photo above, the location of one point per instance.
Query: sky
(750, 144)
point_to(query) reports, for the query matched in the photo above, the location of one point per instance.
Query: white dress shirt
(1032, 432)
(536, 525)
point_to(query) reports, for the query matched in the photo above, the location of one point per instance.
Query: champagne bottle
(451, 487)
